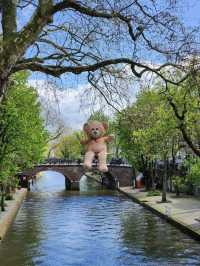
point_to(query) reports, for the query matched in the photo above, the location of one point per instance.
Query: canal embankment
(182, 211)
(12, 207)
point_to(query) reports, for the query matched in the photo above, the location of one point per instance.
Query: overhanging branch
(58, 70)
(181, 123)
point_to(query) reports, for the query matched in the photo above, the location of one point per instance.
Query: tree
(100, 38)
(22, 134)
(69, 147)
(147, 132)
(185, 103)
(98, 116)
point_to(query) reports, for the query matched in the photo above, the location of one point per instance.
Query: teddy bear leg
(102, 162)
(89, 156)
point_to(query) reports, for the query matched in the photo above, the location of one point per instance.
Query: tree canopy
(69, 146)
(97, 37)
(185, 102)
(23, 136)
(147, 130)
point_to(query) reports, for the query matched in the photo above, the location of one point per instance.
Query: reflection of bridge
(121, 175)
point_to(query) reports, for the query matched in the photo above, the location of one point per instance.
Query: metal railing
(62, 161)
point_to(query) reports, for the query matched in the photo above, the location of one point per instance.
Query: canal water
(93, 227)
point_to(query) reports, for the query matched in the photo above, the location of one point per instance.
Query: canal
(93, 227)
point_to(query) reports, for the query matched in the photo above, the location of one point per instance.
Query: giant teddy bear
(96, 144)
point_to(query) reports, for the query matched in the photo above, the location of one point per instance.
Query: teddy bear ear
(105, 125)
(86, 127)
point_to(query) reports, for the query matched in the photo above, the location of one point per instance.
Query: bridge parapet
(73, 172)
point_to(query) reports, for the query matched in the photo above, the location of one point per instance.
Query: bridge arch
(121, 175)
(48, 179)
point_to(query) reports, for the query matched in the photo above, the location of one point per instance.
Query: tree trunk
(152, 174)
(177, 191)
(8, 194)
(189, 141)
(117, 151)
(3, 85)
(134, 177)
(164, 189)
(2, 199)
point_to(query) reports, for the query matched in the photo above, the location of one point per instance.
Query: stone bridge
(119, 175)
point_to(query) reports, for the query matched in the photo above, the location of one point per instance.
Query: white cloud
(65, 104)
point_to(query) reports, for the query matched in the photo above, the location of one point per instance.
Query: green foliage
(98, 116)
(180, 183)
(147, 130)
(69, 146)
(184, 100)
(22, 134)
(194, 172)
(153, 193)
(187, 182)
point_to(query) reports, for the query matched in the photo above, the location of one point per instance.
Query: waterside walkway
(12, 207)
(183, 211)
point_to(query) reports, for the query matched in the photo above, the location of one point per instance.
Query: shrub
(153, 193)
(179, 183)
(194, 173)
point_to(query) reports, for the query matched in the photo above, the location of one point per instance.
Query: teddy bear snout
(96, 132)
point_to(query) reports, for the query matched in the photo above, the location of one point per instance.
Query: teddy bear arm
(108, 138)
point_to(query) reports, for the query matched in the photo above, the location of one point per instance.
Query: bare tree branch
(182, 121)
(87, 36)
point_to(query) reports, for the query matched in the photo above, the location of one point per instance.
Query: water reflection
(88, 185)
(91, 228)
(146, 234)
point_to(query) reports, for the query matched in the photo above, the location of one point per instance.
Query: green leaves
(22, 134)
(194, 172)
(69, 147)
(185, 102)
(147, 130)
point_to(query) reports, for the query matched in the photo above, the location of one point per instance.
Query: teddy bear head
(95, 129)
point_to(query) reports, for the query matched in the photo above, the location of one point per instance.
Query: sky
(191, 12)
(69, 88)
(63, 104)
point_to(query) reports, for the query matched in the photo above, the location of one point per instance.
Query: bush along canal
(94, 227)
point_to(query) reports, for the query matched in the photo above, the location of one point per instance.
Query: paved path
(183, 211)
(12, 207)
